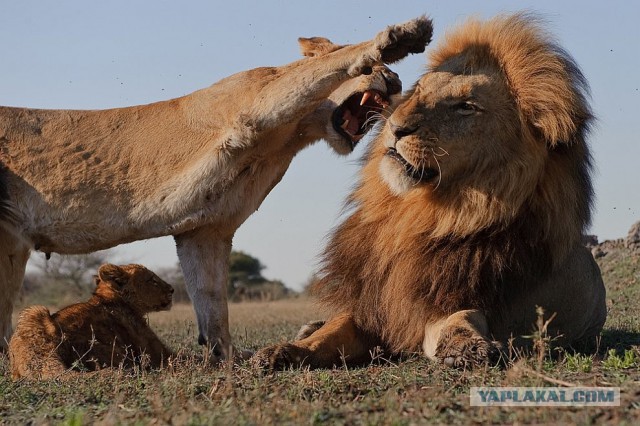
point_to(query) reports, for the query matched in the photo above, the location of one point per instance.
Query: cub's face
(138, 286)
(454, 129)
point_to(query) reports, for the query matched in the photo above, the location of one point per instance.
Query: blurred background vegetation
(62, 280)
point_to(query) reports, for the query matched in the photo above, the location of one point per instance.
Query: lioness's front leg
(338, 341)
(460, 340)
(204, 259)
(304, 84)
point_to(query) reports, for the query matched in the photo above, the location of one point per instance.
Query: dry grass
(248, 321)
(407, 391)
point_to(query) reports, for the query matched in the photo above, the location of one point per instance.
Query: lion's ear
(316, 46)
(114, 274)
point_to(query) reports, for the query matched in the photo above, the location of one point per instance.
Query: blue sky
(90, 54)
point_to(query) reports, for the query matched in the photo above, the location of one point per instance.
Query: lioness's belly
(90, 226)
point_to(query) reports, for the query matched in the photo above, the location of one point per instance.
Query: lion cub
(108, 330)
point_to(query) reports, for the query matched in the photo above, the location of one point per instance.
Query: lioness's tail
(33, 349)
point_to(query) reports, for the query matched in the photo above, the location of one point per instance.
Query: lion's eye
(467, 108)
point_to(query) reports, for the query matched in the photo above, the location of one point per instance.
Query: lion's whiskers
(377, 107)
(443, 152)
(435, 158)
(372, 121)
(378, 115)
(423, 154)
(373, 118)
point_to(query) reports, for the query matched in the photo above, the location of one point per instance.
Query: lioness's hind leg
(13, 262)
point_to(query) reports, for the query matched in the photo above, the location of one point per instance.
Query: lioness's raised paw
(397, 41)
(279, 357)
(462, 347)
(394, 43)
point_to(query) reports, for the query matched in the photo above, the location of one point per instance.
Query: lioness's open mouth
(420, 174)
(358, 114)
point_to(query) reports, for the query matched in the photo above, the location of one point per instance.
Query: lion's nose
(400, 131)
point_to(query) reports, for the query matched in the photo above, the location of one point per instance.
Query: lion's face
(138, 286)
(452, 130)
(357, 104)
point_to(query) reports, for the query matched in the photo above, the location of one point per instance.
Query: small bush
(629, 359)
(579, 363)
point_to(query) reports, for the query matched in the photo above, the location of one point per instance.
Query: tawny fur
(108, 330)
(194, 167)
(481, 219)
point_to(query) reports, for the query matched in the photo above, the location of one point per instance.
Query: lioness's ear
(114, 274)
(316, 46)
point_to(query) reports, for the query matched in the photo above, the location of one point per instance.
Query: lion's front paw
(464, 348)
(397, 41)
(279, 357)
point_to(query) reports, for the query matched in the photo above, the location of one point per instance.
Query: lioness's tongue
(353, 126)
(351, 123)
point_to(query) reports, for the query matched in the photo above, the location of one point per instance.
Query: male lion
(194, 167)
(108, 330)
(469, 212)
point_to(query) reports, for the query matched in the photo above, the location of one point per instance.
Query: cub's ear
(114, 274)
(317, 46)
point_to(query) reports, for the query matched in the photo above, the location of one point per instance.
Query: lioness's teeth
(344, 125)
(381, 101)
(365, 96)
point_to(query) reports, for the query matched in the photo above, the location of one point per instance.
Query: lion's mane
(398, 262)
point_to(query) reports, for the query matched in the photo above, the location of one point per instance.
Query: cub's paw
(308, 329)
(280, 357)
(397, 41)
(461, 347)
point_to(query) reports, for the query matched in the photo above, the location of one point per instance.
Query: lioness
(469, 213)
(194, 167)
(108, 330)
